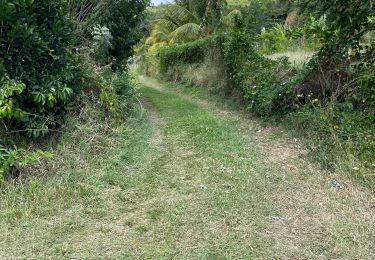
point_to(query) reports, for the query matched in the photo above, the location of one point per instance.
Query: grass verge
(94, 158)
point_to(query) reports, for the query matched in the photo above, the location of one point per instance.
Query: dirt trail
(192, 180)
(315, 206)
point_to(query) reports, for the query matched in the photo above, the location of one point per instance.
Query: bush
(12, 159)
(115, 91)
(281, 38)
(264, 83)
(102, 44)
(192, 52)
(122, 18)
(37, 71)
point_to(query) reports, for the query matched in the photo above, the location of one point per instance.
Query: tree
(347, 22)
(123, 18)
(185, 21)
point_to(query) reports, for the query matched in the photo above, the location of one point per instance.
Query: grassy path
(195, 181)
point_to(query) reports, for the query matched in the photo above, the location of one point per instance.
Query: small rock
(336, 184)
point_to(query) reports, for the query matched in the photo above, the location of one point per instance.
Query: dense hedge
(44, 65)
(265, 84)
(192, 52)
(37, 71)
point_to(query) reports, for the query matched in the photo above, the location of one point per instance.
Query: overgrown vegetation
(52, 53)
(328, 98)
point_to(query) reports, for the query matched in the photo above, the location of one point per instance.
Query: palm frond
(164, 25)
(156, 46)
(186, 32)
(179, 15)
(230, 18)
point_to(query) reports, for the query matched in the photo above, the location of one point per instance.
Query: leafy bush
(274, 39)
(115, 91)
(37, 70)
(102, 44)
(264, 83)
(337, 135)
(11, 159)
(192, 52)
(122, 18)
(9, 108)
(281, 38)
(148, 64)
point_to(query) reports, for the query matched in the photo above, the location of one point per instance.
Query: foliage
(177, 24)
(281, 38)
(35, 38)
(336, 131)
(45, 64)
(275, 39)
(115, 91)
(83, 13)
(122, 18)
(185, 21)
(263, 83)
(342, 33)
(238, 2)
(12, 158)
(9, 108)
(102, 44)
(183, 53)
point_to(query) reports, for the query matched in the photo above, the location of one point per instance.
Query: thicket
(192, 52)
(52, 53)
(38, 72)
(330, 98)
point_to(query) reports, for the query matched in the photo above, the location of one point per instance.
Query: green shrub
(281, 38)
(148, 64)
(192, 52)
(274, 39)
(264, 83)
(122, 18)
(35, 41)
(102, 44)
(9, 107)
(12, 158)
(336, 133)
(115, 91)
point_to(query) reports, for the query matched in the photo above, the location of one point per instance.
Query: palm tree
(185, 21)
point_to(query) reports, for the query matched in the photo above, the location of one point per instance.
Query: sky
(156, 2)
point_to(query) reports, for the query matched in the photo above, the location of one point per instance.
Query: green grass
(193, 181)
(312, 128)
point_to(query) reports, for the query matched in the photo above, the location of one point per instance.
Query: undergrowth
(93, 150)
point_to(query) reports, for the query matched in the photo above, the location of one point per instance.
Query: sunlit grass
(296, 58)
